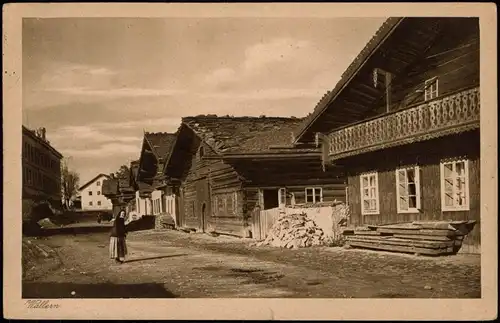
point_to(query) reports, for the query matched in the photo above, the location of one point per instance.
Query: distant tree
(70, 181)
(123, 172)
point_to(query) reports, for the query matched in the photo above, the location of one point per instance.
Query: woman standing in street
(117, 244)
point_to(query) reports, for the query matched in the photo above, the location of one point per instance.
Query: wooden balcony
(446, 115)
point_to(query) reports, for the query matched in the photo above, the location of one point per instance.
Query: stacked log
(426, 238)
(294, 231)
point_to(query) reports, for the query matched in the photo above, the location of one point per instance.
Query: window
(408, 189)
(282, 197)
(98, 183)
(90, 193)
(455, 185)
(98, 202)
(369, 194)
(98, 192)
(90, 203)
(314, 195)
(235, 203)
(30, 178)
(431, 89)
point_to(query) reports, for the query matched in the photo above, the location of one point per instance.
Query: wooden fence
(262, 221)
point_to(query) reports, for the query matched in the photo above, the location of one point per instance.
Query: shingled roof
(243, 134)
(161, 142)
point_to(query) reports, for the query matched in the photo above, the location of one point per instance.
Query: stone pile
(294, 231)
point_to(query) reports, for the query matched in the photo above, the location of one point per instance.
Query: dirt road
(175, 264)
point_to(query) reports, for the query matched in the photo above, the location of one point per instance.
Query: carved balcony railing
(450, 114)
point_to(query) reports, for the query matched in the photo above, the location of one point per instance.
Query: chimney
(43, 132)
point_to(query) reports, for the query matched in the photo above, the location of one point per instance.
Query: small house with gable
(154, 194)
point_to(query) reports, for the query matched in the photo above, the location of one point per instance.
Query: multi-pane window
(98, 192)
(224, 204)
(408, 189)
(431, 89)
(98, 183)
(90, 203)
(98, 202)
(369, 194)
(90, 193)
(455, 185)
(314, 195)
(282, 197)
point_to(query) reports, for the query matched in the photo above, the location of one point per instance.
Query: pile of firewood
(294, 231)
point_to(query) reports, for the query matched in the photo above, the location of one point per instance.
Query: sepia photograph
(251, 156)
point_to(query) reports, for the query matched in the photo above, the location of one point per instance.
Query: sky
(96, 84)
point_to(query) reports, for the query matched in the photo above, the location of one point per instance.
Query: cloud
(146, 124)
(116, 92)
(103, 151)
(279, 50)
(88, 134)
(266, 94)
(220, 76)
(66, 74)
(269, 65)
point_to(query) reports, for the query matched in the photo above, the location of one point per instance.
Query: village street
(163, 264)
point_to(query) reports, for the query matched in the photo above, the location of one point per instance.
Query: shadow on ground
(105, 290)
(154, 258)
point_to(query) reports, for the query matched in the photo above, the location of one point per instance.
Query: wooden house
(404, 122)
(222, 168)
(154, 194)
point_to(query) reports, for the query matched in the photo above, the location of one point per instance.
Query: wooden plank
(405, 249)
(439, 225)
(402, 242)
(366, 232)
(447, 233)
(423, 237)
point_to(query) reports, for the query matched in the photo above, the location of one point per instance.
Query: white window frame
(282, 197)
(377, 198)
(466, 206)
(314, 194)
(98, 183)
(429, 90)
(418, 196)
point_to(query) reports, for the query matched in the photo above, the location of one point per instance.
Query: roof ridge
(242, 117)
(159, 133)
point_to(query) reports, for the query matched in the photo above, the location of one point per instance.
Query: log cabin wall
(222, 215)
(427, 155)
(295, 176)
(453, 59)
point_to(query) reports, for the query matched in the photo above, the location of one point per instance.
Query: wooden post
(388, 79)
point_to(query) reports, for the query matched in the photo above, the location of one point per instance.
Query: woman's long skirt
(117, 247)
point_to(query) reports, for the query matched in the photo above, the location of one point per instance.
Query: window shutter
(418, 188)
(402, 189)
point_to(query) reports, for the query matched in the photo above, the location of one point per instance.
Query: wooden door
(203, 203)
